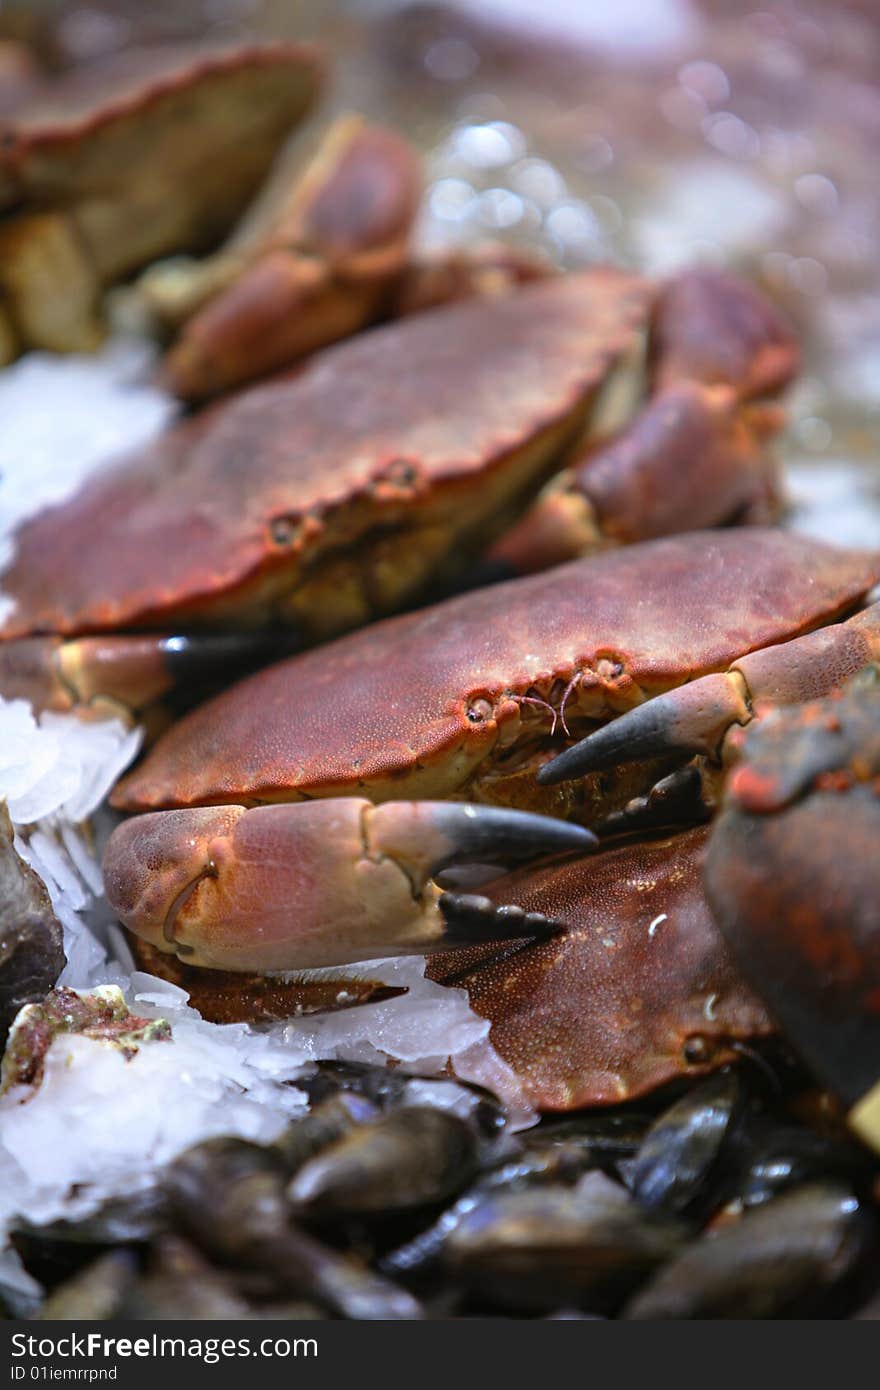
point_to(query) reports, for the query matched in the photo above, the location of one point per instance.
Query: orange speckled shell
(393, 697)
(187, 521)
(601, 1013)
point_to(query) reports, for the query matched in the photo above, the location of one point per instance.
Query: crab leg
(698, 717)
(289, 887)
(696, 453)
(712, 327)
(128, 673)
(312, 263)
(693, 457)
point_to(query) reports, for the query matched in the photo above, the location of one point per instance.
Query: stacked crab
(479, 536)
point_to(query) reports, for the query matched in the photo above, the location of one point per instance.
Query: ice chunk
(63, 417)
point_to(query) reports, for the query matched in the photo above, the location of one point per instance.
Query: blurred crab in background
(95, 179)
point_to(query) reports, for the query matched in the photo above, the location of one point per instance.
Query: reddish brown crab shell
(412, 706)
(80, 136)
(224, 515)
(638, 991)
(222, 996)
(312, 263)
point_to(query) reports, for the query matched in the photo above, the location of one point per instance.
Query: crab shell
(222, 996)
(639, 990)
(112, 165)
(328, 496)
(424, 705)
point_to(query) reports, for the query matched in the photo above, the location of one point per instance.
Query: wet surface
(722, 137)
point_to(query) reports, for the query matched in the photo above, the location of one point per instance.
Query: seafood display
(455, 655)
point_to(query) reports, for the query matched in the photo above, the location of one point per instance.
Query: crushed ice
(63, 417)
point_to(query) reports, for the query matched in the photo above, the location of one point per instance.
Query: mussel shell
(608, 1137)
(781, 1156)
(124, 1220)
(327, 1121)
(382, 1085)
(556, 1247)
(681, 1151)
(778, 1259)
(557, 1162)
(31, 948)
(413, 1157)
(228, 1196)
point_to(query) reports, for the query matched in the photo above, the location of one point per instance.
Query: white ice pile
(63, 417)
(99, 1124)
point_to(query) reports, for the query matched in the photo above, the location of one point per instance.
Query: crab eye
(697, 1050)
(400, 476)
(479, 711)
(401, 472)
(284, 529)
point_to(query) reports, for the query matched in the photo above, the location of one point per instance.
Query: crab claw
(690, 719)
(470, 918)
(127, 673)
(696, 718)
(292, 887)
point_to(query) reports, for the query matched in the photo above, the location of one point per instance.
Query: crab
(597, 1014)
(96, 178)
(476, 696)
(465, 701)
(315, 259)
(791, 877)
(452, 420)
(353, 487)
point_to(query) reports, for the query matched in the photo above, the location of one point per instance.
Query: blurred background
(648, 132)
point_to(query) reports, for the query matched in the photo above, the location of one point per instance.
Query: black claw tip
(211, 657)
(472, 920)
(641, 733)
(498, 835)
